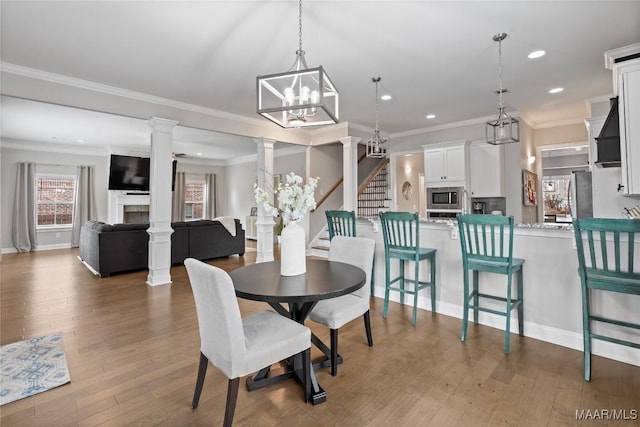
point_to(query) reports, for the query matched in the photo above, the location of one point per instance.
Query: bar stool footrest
(615, 340)
(514, 302)
(615, 322)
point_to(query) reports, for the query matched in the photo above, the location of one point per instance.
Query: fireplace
(135, 214)
(127, 207)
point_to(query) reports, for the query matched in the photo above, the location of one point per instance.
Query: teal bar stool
(487, 245)
(401, 236)
(343, 223)
(605, 250)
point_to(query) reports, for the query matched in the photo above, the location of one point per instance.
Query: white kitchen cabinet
(628, 73)
(445, 166)
(251, 231)
(486, 170)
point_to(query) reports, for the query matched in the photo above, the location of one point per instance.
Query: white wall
(408, 169)
(33, 153)
(240, 178)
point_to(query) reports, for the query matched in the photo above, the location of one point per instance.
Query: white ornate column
(160, 202)
(265, 223)
(350, 172)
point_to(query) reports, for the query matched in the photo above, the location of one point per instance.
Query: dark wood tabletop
(323, 280)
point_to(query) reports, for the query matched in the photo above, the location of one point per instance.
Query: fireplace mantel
(119, 199)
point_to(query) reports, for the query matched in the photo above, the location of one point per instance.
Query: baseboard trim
(545, 333)
(91, 269)
(39, 248)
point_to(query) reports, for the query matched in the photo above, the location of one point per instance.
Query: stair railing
(335, 186)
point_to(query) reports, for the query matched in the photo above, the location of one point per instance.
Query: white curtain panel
(177, 204)
(23, 226)
(212, 198)
(85, 206)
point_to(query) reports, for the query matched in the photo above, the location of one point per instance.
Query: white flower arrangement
(294, 199)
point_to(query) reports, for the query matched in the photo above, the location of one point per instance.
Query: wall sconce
(531, 159)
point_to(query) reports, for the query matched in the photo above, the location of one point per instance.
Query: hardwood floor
(133, 356)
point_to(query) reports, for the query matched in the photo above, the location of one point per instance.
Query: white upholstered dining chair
(336, 312)
(239, 346)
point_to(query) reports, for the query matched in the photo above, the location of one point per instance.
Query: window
(194, 198)
(55, 199)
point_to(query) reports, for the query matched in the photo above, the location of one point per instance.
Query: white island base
(552, 295)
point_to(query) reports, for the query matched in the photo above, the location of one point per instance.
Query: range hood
(608, 142)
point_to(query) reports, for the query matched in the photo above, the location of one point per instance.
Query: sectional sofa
(116, 248)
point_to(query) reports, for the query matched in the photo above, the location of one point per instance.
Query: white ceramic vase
(293, 259)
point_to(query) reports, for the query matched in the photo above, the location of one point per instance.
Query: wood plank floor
(133, 356)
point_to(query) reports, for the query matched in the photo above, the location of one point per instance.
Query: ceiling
(434, 57)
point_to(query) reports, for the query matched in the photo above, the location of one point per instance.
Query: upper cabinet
(486, 170)
(445, 165)
(628, 78)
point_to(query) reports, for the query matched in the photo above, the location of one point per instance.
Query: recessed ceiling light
(198, 154)
(556, 90)
(536, 54)
(81, 141)
(386, 97)
(431, 116)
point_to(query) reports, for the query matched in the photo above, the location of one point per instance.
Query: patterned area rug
(32, 366)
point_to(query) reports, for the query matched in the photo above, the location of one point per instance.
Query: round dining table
(322, 280)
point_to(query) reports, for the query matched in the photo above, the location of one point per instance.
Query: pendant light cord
(376, 80)
(501, 102)
(300, 25)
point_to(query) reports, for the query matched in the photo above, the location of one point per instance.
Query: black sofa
(116, 248)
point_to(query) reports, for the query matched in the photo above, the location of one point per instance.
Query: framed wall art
(530, 191)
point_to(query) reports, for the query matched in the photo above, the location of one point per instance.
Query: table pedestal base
(262, 379)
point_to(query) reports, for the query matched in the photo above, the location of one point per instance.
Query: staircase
(371, 200)
(375, 196)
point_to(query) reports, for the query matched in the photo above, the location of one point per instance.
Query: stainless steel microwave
(444, 198)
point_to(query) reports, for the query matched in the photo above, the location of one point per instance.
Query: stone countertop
(521, 225)
(452, 222)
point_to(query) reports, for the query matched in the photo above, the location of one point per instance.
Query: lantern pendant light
(504, 129)
(377, 145)
(299, 97)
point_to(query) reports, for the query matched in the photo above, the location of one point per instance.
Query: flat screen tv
(129, 173)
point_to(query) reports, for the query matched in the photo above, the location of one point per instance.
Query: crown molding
(610, 56)
(112, 90)
(18, 144)
(598, 99)
(446, 126)
(566, 122)
(298, 149)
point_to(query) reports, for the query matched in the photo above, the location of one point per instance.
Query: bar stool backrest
(400, 231)
(486, 238)
(606, 252)
(341, 223)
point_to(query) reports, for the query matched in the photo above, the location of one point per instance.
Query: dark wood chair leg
(202, 371)
(306, 368)
(334, 352)
(367, 328)
(232, 398)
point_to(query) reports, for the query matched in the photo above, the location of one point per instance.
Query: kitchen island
(552, 295)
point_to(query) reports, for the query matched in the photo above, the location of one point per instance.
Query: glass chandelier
(299, 97)
(377, 145)
(505, 129)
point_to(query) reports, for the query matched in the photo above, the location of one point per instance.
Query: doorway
(558, 167)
